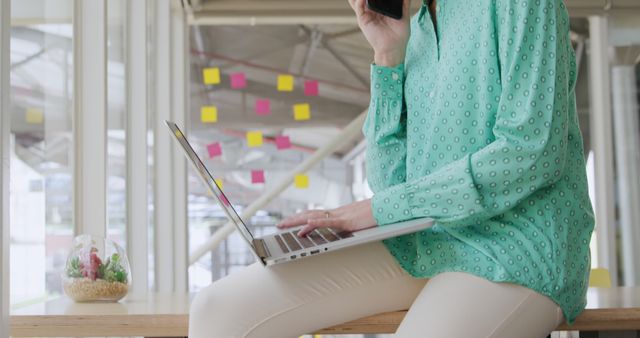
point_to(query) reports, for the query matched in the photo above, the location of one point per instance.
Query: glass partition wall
(42, 142)
(43, 124)
(41, 147)
(625, 94)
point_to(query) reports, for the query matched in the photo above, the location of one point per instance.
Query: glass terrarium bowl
(97, 270)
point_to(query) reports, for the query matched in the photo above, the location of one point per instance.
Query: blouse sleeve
(384, 128)
(529, 149)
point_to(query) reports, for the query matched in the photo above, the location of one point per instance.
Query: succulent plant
(113, 271)
(93, 268)
(73, 270)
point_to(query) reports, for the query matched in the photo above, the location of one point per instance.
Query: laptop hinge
(261, 248)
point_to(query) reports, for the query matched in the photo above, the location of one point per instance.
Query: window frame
(5, 27)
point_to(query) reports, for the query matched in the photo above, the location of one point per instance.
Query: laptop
(285, 245)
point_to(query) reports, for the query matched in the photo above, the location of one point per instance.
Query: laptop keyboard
(289, 241)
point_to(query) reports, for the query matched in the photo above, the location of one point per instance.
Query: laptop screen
(210, 182)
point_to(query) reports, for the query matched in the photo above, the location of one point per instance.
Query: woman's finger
(305, 230)
(301, 218)
(293, 220)
(315, 223)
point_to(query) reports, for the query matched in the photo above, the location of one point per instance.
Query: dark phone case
(383, 12)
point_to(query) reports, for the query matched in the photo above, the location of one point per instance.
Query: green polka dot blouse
(478, 130)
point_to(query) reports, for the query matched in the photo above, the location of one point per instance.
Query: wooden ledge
(160, 315)
(157, 325)
(589, 320)
(167, 315)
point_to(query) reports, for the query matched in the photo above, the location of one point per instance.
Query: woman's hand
(386, 35)
(350, 217)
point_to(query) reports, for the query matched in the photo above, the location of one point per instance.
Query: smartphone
(390, 8)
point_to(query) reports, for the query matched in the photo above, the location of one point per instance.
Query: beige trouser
(289, 300)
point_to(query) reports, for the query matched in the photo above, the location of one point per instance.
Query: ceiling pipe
(279, 12)
(267, 139)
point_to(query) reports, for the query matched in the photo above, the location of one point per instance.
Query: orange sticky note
(285, 83)
(211, 75)
(254, 138)
(34, 116)
(301, 112)
(301, 181)
(209, 114)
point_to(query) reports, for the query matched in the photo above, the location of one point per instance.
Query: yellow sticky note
(219, 183)
(211, 75)
(34, 116)
(285, 83)
(254, 138)
(209, 114)
(301, 112)
(301, 181)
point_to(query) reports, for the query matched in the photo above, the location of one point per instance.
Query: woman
(473, 123)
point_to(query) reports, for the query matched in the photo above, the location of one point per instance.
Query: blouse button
(394, 76)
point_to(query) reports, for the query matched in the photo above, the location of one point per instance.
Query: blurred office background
(155, 57)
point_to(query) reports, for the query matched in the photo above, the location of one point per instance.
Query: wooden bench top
(167, 315)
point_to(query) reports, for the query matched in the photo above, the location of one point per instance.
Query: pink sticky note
(283, 142)
(225, 201)
(263, 107)
(257, 176)
(311, 88)
(214, 149)
(238, 80)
